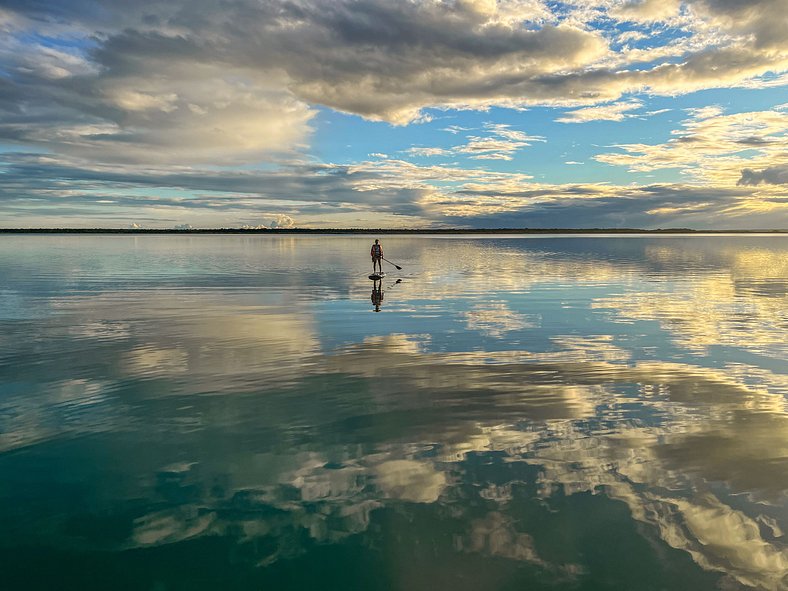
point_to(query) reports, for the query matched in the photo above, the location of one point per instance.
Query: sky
(382, 113)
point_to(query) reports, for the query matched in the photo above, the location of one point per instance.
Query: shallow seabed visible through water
(551, 412)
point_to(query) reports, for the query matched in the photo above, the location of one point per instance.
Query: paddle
(390, 263)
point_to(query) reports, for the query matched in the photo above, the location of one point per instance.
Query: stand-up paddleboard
(376, 276)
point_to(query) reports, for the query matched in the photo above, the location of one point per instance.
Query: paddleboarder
(377, 256)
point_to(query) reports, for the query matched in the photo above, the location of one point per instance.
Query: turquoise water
(231, 412)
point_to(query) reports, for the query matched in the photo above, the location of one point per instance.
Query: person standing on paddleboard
(377, 255)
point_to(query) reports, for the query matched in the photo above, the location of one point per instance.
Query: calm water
(225, 412)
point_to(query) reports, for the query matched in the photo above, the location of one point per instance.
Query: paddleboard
(376, 276)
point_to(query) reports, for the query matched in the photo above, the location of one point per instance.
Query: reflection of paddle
(390, 263)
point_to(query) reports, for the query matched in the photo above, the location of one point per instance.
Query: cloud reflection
(229, 417)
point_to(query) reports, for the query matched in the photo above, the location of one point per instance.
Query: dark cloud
(140, 90)
(651, 206)
(46, 186)
(379, 59)
(765, 20)
(773, 175)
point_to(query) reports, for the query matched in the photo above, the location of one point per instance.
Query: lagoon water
(541, 412)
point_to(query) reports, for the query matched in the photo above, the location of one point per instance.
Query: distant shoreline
(380, 231)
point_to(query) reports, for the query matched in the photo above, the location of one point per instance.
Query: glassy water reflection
(545, 413)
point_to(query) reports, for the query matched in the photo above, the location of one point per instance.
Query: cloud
(143, 112)
(646, 11)
(709, 145)
(394, 191)
(154, 58)
(455, 129)
(500, 143)
(611, 112)
(282, 221)
(421, 151)
(161, 111)
(774, 175)
(765, 21)
(628, 36)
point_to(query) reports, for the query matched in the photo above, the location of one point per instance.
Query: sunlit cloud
(709, 147)
(317, 194)
(501, 142)
(647, 11)
(612, 112)
(237, 92)
(421, 56)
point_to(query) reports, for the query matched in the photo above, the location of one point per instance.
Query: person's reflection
(377, 294)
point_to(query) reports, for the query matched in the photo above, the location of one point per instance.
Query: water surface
(252, 412)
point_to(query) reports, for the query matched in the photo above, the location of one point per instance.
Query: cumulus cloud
(647, 10)
(774, 175)
(282, 221)
(175, 111)
(764, 21)
(709, 145)
(161, 97)
(465, 54)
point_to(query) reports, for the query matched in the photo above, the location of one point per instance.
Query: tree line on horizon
(378, 231)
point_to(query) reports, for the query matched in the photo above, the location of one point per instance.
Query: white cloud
(465, 54)
(419, 151)
(647, 11)
(500, 143)
(398, 192)
(455, 129)
(282, 221)
(611, 112)
(709, 146)
(166, 111)
(628, 36)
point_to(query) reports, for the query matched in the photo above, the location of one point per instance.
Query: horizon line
(233, 230)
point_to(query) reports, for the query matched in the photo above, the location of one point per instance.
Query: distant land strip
(379, 231)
